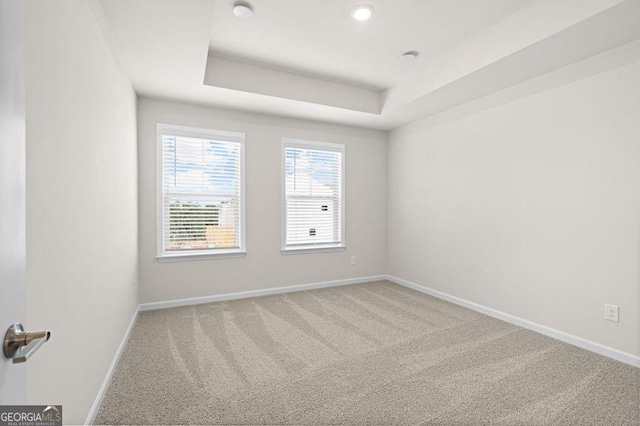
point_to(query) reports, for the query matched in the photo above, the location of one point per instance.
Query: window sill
(187, 257)
(312, 250)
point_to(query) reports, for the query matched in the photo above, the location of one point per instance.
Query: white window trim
(319, 248)
(195, 132)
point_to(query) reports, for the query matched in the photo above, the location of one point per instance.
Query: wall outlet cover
(611, 312)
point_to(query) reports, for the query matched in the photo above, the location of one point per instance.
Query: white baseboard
(589, 345)
(112, 368)
(255, 293)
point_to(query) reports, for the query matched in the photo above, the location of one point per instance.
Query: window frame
(201, 133)
(322, 146)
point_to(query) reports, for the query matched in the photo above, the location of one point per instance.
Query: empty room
(336, 212)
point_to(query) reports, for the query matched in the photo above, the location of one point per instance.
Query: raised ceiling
(321, 38)
(310, 60)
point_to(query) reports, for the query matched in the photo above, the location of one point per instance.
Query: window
(313, 196)
(201, 193)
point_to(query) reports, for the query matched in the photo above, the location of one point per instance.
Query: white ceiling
(319, 37)
(310, 60)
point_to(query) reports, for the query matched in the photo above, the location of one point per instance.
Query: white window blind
(313, 195)
(201, 203)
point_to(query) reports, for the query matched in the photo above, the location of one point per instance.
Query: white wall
(81, 204)
(531, 208)
(264, 266)
(13, 287)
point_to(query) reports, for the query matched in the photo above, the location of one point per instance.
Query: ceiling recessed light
(242, 10)
(409, 56)
(362, 12)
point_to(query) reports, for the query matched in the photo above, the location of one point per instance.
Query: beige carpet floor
(366, 354)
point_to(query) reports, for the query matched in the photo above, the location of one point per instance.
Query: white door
(13, 378)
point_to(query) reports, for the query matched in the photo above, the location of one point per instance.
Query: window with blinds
(313, 195)
(201, 200)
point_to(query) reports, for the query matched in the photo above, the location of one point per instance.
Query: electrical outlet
(353, 260)
(611, 312)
